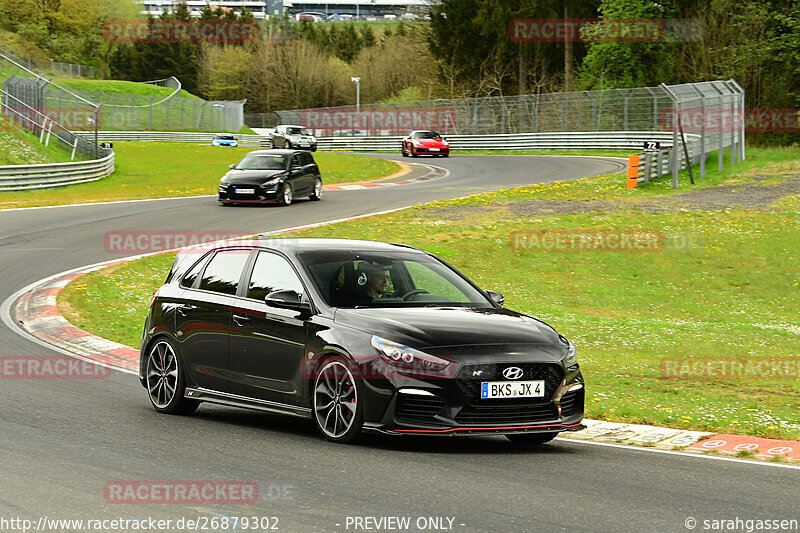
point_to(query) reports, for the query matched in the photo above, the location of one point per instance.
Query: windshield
(297, 131)
(225, 137)
(427, 135)
(262, 162)
(396, 279)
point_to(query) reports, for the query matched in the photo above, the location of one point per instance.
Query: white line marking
(683, 454)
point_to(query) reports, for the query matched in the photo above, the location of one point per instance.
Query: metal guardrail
(21, 177)
(579, 140)
(167, 136)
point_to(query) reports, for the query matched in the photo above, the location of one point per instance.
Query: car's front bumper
(453, 406)
(262, 194)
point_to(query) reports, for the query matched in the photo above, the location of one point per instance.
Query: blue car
(224, 139)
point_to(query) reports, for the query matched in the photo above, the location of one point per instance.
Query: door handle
(240, 320)
(183, 309)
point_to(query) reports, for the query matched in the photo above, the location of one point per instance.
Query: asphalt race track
(61, 441)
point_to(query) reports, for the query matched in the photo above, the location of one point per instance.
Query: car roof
(315, 244)
(274, 151)
(290, 126)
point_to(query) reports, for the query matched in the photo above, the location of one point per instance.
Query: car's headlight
(445, 143)
(417, 142)
(407, 358)
(572, 355)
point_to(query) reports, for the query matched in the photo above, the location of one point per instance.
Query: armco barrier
(19, 177)
(618, 140)
(166, 136)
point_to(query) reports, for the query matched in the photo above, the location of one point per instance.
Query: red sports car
(425, 142)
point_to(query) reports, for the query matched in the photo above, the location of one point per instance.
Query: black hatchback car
(357, 336)
(271, 176)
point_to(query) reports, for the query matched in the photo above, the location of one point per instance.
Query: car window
(297, 131)
(191, 276)
(426, 135)
(306, 158)
(223, 271)
(262, 162)
(296, 161)
(410, 280)
(272, 272)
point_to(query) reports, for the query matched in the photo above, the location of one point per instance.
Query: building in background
(339, 9)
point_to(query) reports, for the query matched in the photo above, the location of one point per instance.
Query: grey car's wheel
(317, 194)
(285, 196)
(165, 381)
(531, 439)
(338, 412)
(287, 144)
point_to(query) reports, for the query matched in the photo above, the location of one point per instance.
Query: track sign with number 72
(651, 146)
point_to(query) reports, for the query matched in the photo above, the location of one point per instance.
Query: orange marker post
(633, 171)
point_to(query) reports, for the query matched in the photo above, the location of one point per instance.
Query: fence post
(594, 109)
(674, 154)
(74, 147)
(702, 131)
(150, 109)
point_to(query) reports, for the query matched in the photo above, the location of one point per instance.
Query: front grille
(507, 414)
(470, 382)
(571, 403)
(417, 408)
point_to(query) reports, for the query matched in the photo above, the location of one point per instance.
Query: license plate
(434, 149)
(512, 389)
(244, 191)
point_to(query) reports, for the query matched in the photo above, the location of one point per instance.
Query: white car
(292, 136)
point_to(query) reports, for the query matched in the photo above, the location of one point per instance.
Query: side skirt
(234, 400)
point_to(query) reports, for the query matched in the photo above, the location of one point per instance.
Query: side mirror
(496, 297)
(287, 299)
(232, 167)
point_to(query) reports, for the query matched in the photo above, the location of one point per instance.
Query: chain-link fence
(56, 68)
(168, 111)
(18, 113)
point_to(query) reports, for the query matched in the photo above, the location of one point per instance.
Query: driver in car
(373, 279)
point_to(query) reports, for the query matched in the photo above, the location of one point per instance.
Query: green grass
(22, 148)
(193, 170)
(724, 286)
(119, 87)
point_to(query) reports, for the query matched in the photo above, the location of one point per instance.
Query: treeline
(71, 31)
(466, 49)
(308, 65)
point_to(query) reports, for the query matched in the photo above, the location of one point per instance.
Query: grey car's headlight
(572, 355)
(407, 358)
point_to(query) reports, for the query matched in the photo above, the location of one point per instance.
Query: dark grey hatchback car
(271, 177)
(357, 336)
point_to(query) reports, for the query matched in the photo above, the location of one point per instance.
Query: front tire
(286, 196)
(412, 152)
(403, 151)
(317, 194)
(338, 413)
(531, 439)
(165, 381)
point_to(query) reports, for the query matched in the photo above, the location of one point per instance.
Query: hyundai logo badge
(512, 372)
